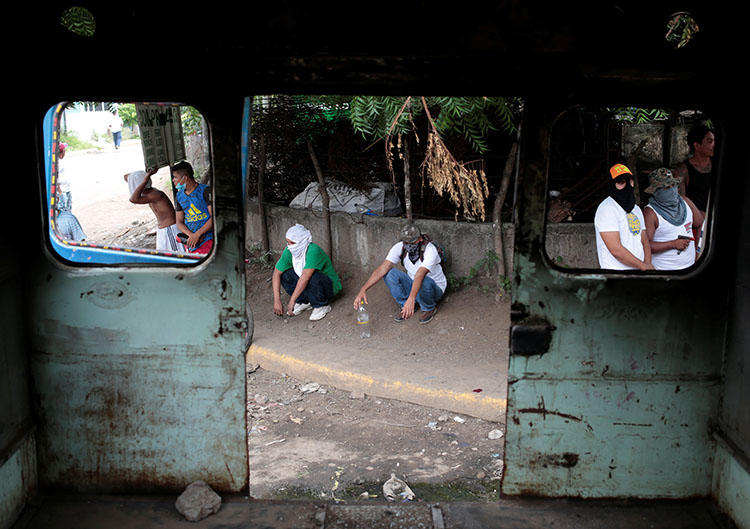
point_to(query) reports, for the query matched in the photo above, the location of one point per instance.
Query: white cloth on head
(302, 239)
(134, 180)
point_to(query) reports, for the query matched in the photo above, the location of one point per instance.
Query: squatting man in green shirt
(306, 273)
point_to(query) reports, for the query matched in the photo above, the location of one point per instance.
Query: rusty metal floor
(84, 512)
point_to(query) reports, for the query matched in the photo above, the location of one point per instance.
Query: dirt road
(338, 444)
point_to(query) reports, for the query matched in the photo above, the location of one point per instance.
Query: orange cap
(619, 169)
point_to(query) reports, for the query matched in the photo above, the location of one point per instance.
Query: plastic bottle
(363, 320)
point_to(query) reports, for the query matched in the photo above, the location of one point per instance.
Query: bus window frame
(84, 254)
(690, 272)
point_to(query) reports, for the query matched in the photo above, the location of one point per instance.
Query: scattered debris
(495, 434)
(296, 420)
(198, 501)
(432, 425)
(335, 479)
(261, 399)
(443, 418)
(252, 368)
(459, 419)
(357, 395)
(310, 387)
(395, 487)
(276, 441)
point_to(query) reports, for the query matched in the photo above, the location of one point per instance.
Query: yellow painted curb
(484, 407)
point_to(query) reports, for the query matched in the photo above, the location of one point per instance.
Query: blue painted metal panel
(84, 253)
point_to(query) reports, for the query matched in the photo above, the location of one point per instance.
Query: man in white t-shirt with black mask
(621, 241)
(423, 283)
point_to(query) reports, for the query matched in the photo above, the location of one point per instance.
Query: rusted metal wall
(139, 372)
(731, 483)
(17, 448)
(616, 401)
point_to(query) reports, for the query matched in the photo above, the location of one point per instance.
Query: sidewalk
(458, 362)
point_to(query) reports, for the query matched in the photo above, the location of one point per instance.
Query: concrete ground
(95, 512)
(458, 362)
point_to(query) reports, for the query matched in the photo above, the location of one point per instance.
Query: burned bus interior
(125, 368)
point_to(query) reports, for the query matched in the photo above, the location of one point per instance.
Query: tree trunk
(496, 212)
(324, 198)
(261, 205)
(407, 182)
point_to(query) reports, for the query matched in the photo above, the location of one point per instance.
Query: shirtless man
(139, 183)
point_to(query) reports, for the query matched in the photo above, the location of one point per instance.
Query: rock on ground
(198, 501)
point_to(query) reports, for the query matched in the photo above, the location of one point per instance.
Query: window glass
(128, 183)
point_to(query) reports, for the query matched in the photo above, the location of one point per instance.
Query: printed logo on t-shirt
(634, 223)
(687, 227)
(194, 214)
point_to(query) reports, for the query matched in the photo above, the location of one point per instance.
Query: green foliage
(473, 118)
(260, 258)
(285, 123)
(639, 116)
(79, 21)
(486, 264)
(75, 143)
(127, 113)
(192, 121)
(681, 29)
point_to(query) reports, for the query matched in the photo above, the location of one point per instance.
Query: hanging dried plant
(464, 183)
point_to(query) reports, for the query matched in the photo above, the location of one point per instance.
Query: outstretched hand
(362, 296)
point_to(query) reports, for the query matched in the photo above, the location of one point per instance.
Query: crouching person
(306, 273)
(423, 282)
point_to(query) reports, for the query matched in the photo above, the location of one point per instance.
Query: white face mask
(298, 249)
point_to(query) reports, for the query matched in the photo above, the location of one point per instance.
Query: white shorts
(166, 240)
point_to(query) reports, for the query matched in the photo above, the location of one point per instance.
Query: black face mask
(625, 197)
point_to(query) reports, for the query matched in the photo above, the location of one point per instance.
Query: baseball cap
(409, 233)
(659, 178)
(619, 169)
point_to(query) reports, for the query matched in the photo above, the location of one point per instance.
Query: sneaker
(427, 316)
(398, 318)
(319, 313)
(299, 308)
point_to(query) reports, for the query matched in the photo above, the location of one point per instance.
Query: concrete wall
(363, 241)
(572, 245)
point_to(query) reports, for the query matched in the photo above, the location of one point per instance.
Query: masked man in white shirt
(669, 222)
(621, 241)
(423, 281)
